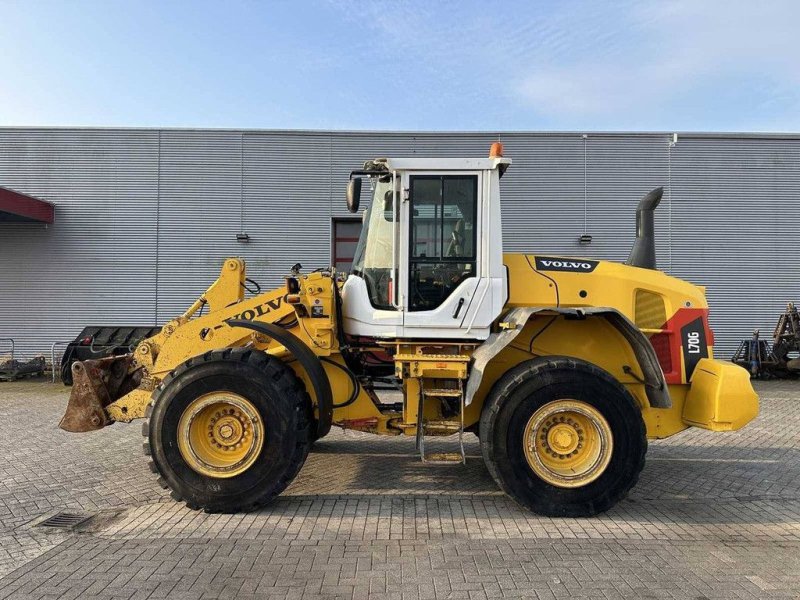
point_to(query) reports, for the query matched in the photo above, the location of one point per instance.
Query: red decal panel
(668, 344)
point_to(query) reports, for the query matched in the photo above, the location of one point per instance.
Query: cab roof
(443, 164)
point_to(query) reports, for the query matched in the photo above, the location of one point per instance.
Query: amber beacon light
(496, 150)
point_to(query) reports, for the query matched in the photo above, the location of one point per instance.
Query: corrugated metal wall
(145, 217)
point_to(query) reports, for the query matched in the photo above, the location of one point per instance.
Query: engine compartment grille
(650, 311)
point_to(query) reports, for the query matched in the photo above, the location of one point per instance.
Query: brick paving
(713, 516)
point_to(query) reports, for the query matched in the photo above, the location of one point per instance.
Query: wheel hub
(568, 443)
(562, 439)
(220, 434)
(227, 431)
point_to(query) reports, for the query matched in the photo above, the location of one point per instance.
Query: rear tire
(541, 410)
(276, 414)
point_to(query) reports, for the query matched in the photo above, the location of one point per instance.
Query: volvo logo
(546, 263)
(258, 311)
(558, 264)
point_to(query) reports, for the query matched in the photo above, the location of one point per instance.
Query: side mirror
(353, 194)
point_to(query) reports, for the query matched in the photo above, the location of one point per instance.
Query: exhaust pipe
(643, 253)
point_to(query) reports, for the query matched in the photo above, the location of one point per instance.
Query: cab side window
(442, 238)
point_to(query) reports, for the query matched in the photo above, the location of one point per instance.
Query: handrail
(396, 199)
(53, 357)
(12, 345)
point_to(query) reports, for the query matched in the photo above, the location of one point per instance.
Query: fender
(514, 321)
(308, 360)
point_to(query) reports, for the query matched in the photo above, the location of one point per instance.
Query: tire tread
(544, 368)
(289, 384)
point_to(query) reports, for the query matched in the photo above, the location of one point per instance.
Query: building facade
(144, 217)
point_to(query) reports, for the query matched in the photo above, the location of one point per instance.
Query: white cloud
(602, 62)
(684, 47)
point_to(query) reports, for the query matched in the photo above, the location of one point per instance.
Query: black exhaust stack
(643, 253)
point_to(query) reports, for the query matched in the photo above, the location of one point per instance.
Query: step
(443, 393)
(405, 357)
(443, 458)
(439, 427)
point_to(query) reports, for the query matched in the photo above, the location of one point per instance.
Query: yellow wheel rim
(220, 434)
(568, 443)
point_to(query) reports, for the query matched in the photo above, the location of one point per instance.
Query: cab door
(440, 255)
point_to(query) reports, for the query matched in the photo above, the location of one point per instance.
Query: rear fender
(514, 323)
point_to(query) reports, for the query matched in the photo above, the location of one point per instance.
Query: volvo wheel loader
(563, 367)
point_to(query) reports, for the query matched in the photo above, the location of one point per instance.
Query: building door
(345, 240)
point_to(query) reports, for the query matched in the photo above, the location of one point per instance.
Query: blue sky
(679, 65)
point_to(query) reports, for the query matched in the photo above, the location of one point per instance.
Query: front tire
(562, 437)
(228, 431)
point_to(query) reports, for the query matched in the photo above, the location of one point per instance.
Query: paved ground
(714, 516)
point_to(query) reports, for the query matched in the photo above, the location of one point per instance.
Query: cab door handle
(458, 308)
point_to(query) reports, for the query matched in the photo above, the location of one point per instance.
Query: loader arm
(119, 388)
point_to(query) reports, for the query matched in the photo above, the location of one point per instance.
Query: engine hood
(537, 280)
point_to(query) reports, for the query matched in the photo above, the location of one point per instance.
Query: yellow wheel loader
(563, 367)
